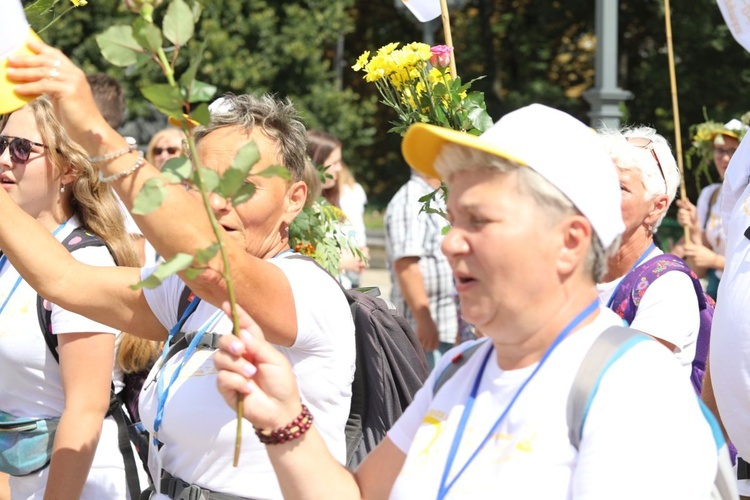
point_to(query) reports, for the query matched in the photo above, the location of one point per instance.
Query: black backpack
(127, 398)
(390, 367)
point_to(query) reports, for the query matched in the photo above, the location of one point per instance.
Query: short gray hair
(277, 119)
(454, 159)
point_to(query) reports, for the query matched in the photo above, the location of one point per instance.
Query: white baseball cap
(569, 154)
(16, 32)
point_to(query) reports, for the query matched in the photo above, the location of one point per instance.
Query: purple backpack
(634, 286)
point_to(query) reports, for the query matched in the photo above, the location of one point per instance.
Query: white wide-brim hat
(569, 154)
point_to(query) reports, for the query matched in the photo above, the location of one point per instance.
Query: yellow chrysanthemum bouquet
(415, 81)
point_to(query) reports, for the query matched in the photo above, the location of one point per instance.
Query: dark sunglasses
(642, 142)
(20, 148)
(171, 150)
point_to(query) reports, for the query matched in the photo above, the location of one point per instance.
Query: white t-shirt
(353, 200)
(634, 443)
(709, 218)
(30, 379)
(198, 429)
(668, 311)
(730, 333)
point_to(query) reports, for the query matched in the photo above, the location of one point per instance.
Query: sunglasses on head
(171, 150)
(20, 148)
(642, 142)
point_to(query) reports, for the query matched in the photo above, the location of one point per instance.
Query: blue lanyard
(4, 259)
(161, 391)
(637, 263)
(445, 486)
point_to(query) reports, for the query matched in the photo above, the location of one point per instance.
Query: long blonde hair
(97, 209)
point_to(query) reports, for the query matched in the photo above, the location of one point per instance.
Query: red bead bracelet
(291, 431)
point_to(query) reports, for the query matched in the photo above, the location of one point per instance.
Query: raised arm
(180, 224)
(304, 466)
(100, 293)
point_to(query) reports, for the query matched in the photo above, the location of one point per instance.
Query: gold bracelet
(112, 155)
(138, 164)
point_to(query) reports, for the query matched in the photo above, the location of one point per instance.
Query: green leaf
(177, 169)
(178, 22)
(476, 112)
(200, 91)
(166, 98)
(276, 171)
(243, 194)
(178, 263)
(193, 272)
(201, 114)
(150, 197)
(186, 80)
(206, 254)
(118, 45)
(246, 157)
(211, 179)
(235, 175)
(197, 11)
(38, 11)
(147, 34)
(231, 182)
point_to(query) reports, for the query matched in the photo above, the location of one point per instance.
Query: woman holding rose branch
(192, 430)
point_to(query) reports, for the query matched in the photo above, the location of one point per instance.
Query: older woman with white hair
(638, 284)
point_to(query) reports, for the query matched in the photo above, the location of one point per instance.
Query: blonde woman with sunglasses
(50, 177)
(165, 145)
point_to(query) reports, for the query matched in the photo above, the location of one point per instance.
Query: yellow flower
(79, 3)
(387, 49)
(361, 62)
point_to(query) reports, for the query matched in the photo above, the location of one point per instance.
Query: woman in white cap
(531, 225)
(705, 252)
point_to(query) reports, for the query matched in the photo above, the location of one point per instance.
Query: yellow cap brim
(422, 144)
(9, 100)
(726, 133)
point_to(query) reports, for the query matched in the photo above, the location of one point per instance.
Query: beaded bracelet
(291, 431)
(112, 155)
(138, 164)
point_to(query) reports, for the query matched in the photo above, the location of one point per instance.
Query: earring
(62, 188)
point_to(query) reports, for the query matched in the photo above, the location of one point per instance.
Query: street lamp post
(605, 98)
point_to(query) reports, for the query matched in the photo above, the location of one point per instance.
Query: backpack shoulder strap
(605, 350)
(456, 363)
(77, 239)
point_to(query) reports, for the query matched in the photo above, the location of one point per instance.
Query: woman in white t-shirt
(668, 310)
(705, 252)
(302, 309)
(533, 206)
(50, 178)
(325, 152)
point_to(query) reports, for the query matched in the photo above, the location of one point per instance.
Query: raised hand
(50, 72)
(250, 366)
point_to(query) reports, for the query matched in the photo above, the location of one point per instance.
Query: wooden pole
(448, 38)
(675, 107)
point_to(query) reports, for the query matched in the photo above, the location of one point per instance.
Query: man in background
(423, 289)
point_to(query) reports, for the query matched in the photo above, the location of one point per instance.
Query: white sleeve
(164, 299)
(628, 450)
(64, 321)
(669, 310)
(701, 205)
